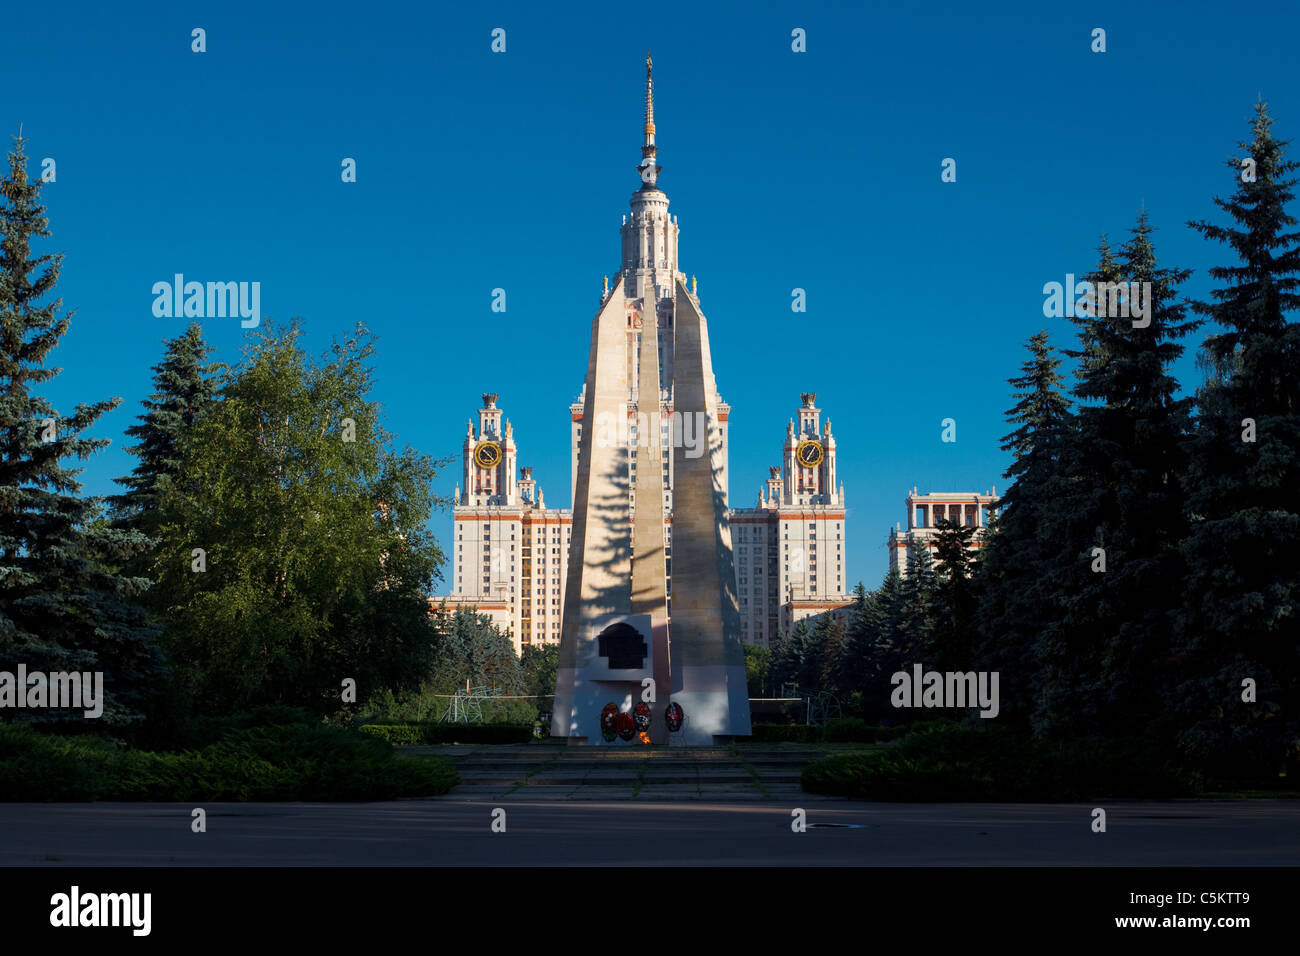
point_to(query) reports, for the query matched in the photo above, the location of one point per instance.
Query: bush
(837, 730)
(396, 734)
(286, 762)
(404, 734)
(199, 732)
(785, 733)
(857, 730)
(429, 704)
(953, 762)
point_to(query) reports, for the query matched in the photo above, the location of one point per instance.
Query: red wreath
(607, 717)
(641, 714)
(625, 726)
(674, 717)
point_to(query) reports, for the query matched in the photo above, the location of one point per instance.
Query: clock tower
(809, 458)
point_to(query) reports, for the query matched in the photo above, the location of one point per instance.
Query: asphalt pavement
(451, 831)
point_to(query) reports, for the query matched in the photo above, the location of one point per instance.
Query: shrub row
(959, 763)
(288, 762)
(429, 733)
(836, 730)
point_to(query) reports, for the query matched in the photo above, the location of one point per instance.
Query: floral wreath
(607, 716)
(674, 717)
(641, 714)
(625, 725)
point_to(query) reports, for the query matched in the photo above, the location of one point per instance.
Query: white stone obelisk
(619, 628)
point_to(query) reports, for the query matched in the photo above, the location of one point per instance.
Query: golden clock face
(809, 453)
(487, 454)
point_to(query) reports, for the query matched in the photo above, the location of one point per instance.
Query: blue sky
(816, 170)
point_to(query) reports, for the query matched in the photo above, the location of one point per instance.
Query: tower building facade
(654, 427)
(790, 546)
(511, 552)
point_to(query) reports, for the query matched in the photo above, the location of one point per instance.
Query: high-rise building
(511, 552)
(790, 547)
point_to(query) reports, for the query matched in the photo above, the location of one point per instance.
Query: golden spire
(649, 101)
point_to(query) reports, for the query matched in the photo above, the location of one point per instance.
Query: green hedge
(857, 730)
(199, 732)
(396, 734)
(404, 734)
(785, 733)
(288, 762)
(837, 730)
(958, 763)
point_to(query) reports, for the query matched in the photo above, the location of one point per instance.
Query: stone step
(598, 766)
(549, 773)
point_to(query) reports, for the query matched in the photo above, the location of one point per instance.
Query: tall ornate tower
(650, 400)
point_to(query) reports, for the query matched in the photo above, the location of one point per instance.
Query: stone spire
(649, 171)
(649, 100)
(649, 260)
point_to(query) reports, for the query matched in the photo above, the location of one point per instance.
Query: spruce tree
(1013, 607)
(789, 657)
(955, 598)
(915, 634)
(874, 646)
(827, 641)
(471, 648)
(62, 605)
(1242, 593)
(1066, 647)
(860, 634)
(1150, 490)
(1109, 656)
(185, 386)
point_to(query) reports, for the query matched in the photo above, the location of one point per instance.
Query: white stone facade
(511, 552)
(925, 511)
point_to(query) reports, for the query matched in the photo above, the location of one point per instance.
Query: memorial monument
(650, 399)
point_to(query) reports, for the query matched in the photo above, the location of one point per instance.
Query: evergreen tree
(1110, 655)
(915, 635)
(62, 605)
(1242, 592)
(873, 648)
(1067, 647)
(472, 649)
(788, 663)
(827, 641)
(955, 598)
(185, 387)
(854, 659)
(538, 664)
(1013, 608)
(758, 662)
